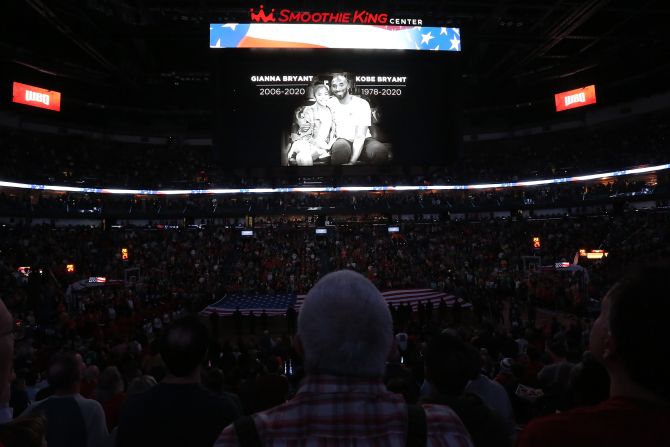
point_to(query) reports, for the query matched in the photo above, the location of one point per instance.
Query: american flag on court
(272, 304)
(277, 304)
(416, 296)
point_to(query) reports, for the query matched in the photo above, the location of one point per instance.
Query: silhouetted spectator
(73, 421)
(111, 395)
(178, 411)
(627, 338)
(450, 364)
(24, 431)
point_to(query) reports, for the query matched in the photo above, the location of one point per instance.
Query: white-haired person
(345, 335)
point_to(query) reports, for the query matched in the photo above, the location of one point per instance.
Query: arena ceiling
(140, 52)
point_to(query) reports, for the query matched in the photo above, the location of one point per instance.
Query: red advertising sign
(357, 16)
(36, 97)
(575, 98)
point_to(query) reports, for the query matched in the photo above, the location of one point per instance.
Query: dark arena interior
(338, 223)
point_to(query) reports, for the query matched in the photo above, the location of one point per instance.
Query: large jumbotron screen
(328, 93)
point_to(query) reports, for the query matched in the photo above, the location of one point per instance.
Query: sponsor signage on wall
(35, 96)
(359, 16)
(575, 98)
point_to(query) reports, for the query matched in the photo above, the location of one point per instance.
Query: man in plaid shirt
(345, 333)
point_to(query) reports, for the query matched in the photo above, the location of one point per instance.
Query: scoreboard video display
(297, 88)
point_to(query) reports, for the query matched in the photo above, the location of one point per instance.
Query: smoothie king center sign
(359, 17)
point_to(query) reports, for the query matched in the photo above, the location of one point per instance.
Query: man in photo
(352, 117)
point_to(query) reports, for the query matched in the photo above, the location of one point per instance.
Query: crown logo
(261, 16)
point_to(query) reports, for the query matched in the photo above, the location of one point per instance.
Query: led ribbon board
(35, 96)
(316, 35)
(181, 192)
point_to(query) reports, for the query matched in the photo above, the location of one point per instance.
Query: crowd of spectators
(288, 257)
(82, 161)
(607, 147)
(186, 268)
(531, 343)
(96, 348)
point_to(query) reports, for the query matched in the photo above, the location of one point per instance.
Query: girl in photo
(315, 135)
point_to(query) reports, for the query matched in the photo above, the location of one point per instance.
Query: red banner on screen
(575, 98)
(36, 97)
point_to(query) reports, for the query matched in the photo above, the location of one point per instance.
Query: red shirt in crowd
(617, 422)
